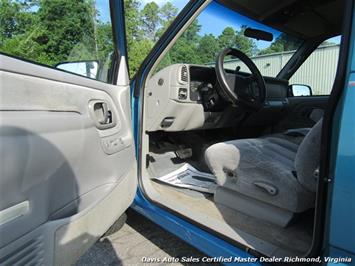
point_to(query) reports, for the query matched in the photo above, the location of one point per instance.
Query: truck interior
(234, 148)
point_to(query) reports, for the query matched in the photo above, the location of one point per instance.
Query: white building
(318, 71)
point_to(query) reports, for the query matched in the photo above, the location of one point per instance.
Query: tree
(15, 18)
(104, 41)
(227, 38)
(167, 14)
(52, 32)
(63, 25)
(245, 44)
(132, 21)
(283, 43)
(134, 34)
(208, 49)
(191, 33)
(184, 51)
(326, 43)
(186, 47)
(138, 52)
(150, 19)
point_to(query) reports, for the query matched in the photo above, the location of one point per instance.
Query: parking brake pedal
(184, 153)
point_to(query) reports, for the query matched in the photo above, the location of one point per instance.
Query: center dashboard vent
(184, 78)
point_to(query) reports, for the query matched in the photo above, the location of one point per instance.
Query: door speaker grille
(30, 253)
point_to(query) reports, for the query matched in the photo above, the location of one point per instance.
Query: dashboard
(186, 97)
(203, 88)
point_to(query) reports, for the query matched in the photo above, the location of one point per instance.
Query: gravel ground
(138, 238)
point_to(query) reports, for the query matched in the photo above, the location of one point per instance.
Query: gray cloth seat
(279, 170)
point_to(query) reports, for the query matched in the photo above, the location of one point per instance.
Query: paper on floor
(189, 177)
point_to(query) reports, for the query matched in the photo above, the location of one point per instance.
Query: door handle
(101, 113)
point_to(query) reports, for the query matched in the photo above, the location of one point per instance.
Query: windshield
(218, 27)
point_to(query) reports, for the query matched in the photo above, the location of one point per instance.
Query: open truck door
(67, 155)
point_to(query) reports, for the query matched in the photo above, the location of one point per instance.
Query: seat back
(308, 157)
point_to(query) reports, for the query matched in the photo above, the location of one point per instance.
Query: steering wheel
(239, 88)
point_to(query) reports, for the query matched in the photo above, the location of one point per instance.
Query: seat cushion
(260, 168)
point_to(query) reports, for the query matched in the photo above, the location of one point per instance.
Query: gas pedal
(184, 153)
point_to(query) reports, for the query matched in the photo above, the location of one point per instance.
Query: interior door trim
(13, 212)
(19, 66)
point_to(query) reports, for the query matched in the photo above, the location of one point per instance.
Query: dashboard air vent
(184, 75)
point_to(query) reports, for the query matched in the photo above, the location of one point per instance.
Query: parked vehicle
(245, 160)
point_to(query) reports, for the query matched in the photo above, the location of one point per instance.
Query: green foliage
(60, 26)
(133, 32)
(194, 49)
(54, 31)
(208, 48)
(245, 44)
(283, 43)
(12, 20)
(326, 43)
(191, 47)
(167, 14)
(227, 38)
(137, 53)
(185, 49)
(150, 20)
(144, 26)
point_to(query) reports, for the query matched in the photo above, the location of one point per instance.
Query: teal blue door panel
(342, 218)
(342, 210)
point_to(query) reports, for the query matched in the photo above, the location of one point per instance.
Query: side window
(71, 35)
(318, 71)
(146, 21)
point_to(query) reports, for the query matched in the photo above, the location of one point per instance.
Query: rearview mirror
(300, 90)
(84, 68)
(258, 34)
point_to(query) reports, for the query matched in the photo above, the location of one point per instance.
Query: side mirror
(300, 90)
(87, 69)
